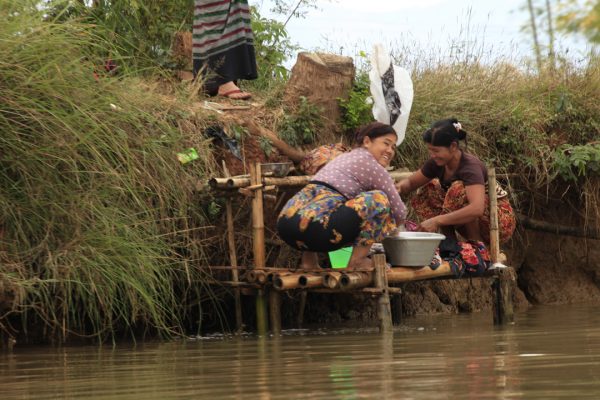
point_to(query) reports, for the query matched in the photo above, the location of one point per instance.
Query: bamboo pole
(494, 235)
(287, 181)
(233, 259)
(384, 311)
(237, 182)
(308, 280)
(331, 279)
(286, 281)
(406, 274)
(502, 285)
(258, 224)
(351, 280)
(256, 276)
(258, 233)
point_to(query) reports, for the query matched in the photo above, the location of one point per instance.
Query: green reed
(99, 223)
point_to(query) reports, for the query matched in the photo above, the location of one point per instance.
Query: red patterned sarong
(431, 200)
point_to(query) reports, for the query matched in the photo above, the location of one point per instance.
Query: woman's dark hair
(372, 131)
(444, 133)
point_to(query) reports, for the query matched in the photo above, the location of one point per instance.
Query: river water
(549, 353)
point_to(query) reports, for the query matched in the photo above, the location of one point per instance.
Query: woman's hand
(429, 225)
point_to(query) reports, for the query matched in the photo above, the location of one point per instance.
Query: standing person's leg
(223, 49)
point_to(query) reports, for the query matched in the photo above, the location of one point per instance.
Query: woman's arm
(413, 182)
(475, 209)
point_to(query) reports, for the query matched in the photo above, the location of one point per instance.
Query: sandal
(244, 95)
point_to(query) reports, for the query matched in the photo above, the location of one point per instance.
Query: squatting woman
(351, 201)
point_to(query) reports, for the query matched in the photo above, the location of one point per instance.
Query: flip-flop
(234, 91)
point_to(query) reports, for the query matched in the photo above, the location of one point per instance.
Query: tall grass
(516, 119)
(98, 222)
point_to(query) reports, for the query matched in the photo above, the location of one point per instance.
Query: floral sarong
(320, 219)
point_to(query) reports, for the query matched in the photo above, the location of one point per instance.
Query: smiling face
(382, 148)
(442, 155)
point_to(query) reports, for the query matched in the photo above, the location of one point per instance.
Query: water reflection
(551, 352)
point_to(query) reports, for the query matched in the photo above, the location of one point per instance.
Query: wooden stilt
(301, 308)
(258, 233)
(261, 312)
(233, 259)
(503, 281)
(502, 292)
(397, 308)
(384, 312)
(275, 311)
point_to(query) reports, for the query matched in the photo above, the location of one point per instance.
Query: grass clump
(97, 222)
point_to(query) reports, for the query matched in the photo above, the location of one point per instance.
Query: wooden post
(233, 259)
(397, 308)
(502, 284)
(384, 312)
(258, 236)
(502, 292)
(494, 235)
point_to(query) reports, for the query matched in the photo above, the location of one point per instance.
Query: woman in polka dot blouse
(350, 201)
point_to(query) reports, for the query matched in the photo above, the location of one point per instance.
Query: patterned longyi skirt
(320, 219)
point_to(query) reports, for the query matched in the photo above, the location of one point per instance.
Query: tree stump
(181, 50)
(323, 79)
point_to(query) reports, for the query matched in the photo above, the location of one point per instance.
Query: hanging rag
(392, 91)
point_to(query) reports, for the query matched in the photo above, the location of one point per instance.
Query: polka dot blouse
(358, 171)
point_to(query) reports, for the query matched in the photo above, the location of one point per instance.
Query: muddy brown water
(549, 353)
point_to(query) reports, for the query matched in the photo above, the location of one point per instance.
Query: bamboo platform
(268, 283)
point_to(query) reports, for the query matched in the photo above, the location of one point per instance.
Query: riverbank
(105, 234)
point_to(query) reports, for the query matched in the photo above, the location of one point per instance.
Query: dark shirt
(471, 171)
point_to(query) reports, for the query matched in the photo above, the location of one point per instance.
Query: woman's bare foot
(365, 264)
(231, 91)
(359, 260)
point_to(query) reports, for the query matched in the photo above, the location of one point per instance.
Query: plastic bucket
(340, 258)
